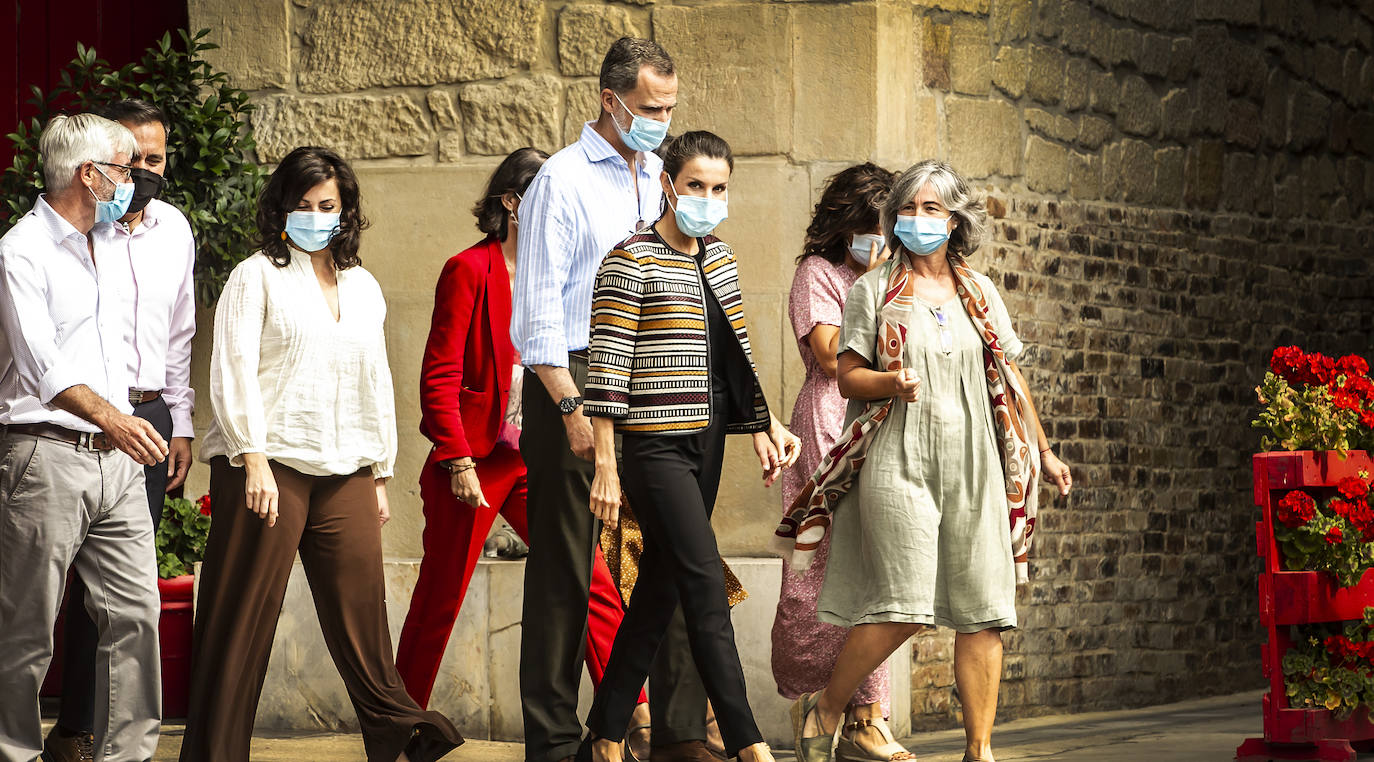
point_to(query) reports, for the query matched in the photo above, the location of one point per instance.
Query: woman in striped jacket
(671, 370)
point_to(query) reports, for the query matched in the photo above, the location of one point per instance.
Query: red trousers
(453, 539)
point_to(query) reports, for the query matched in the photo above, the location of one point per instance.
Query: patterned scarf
(808, 518)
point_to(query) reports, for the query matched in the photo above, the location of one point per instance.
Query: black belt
(82, 439)
(580, 353)
(140, 396)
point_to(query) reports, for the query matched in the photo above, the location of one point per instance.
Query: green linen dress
(923, 535)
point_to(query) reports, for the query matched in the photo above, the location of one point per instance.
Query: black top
(732, 380)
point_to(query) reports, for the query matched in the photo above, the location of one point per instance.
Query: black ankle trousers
(671, 483)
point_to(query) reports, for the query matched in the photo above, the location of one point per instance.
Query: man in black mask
(151, 253)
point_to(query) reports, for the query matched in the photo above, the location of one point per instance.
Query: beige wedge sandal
(848, 750)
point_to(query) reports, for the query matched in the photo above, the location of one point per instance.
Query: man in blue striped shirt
(585, 199)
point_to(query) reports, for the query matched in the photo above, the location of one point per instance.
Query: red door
(38, 38)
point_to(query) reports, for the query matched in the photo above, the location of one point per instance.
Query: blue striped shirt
(580, 205)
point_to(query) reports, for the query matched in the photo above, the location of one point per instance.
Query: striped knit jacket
(648, 355)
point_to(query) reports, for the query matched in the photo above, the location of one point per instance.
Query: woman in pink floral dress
(842, 242)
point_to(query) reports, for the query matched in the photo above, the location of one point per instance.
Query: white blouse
(289, 381)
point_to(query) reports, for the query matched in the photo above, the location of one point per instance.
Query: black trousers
(80, 635)
(558, 571)
(671, 481)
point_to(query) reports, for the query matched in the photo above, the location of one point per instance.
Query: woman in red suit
(471, 414)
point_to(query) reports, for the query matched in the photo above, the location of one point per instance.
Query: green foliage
(181, 536)
(1328, 667)
(1307, 419)
(1306, 548)
(210, 175)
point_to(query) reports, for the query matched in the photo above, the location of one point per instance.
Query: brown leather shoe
(686, 751)
(62, 748)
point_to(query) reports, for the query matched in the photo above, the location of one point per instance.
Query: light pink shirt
(154, 266)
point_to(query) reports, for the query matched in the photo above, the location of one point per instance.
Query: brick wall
(1177, 187)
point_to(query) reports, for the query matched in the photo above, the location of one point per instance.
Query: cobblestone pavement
(1206, 730)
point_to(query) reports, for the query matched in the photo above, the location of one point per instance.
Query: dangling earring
(283, 235)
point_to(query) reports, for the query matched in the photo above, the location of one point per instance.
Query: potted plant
(211, 175)
(1316, 536)
(181, 538)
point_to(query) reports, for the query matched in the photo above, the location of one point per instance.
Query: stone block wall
(1176, 187)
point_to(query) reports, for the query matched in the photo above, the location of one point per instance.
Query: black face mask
(147, 185)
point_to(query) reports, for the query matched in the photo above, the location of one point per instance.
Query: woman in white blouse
(300, 450)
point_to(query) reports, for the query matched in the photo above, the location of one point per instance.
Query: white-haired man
(71, 482)
(151, 252)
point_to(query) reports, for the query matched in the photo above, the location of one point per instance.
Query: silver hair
(953, 192)
(70, 141)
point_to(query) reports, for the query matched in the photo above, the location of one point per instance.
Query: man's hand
(580, 439)
(134, 436)
(178, 462)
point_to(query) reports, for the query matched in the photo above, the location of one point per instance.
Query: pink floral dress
(804, 649)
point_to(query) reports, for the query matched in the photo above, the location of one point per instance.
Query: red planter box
(1301, 597)
(174, 635)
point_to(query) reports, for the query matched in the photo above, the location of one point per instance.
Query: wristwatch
(567, 405)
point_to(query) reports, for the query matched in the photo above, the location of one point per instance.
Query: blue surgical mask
(645, 134)
(312, 231)
(697, 216)
(922, 236)
(861, 246)
(112, 210)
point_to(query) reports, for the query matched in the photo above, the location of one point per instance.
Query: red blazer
(466, 373)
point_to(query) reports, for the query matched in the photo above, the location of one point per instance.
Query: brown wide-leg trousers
(332, 521)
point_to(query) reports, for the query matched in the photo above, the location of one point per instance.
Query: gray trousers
(80, 636)
(63, 506)
(563, 539)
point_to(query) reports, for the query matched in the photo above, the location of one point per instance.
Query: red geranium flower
(204, 504)
(1352, 365)
(1345, 400)
(1352, 487)
(1334, 536)
(1367, 418)
(1296, 509)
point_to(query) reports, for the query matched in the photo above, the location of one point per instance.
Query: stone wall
(1176, 188)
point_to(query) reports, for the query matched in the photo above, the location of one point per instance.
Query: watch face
(567, 405)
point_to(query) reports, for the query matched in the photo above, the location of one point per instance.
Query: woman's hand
(769, 458)
(877, 257)
(786, 443)
(605, 498)
(1057, 471)
(466, 486)
(383, 505)
(906, 384)
(260, 487)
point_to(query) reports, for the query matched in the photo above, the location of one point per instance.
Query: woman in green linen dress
(921, 537)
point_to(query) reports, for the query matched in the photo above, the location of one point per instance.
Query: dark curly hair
(849, 205)
(512, 176)
(301, 170)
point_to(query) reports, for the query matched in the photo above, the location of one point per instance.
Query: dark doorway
(38, 38)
